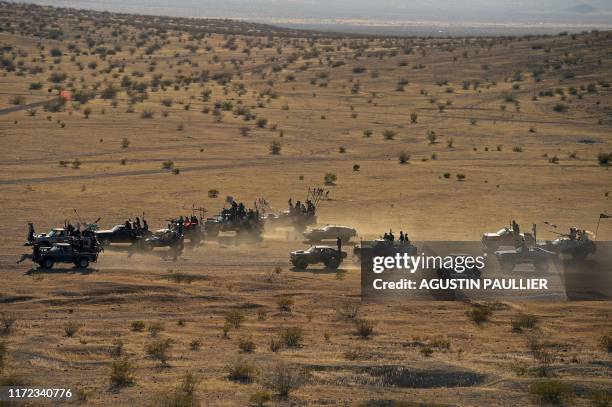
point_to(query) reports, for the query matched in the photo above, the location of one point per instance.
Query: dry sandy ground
(479, 368)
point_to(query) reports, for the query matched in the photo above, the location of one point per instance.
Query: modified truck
(46, 257)
(330, 256)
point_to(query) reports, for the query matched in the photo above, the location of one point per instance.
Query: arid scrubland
(445, 138)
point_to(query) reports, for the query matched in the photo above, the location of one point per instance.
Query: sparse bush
(285, 304)
(241, 371)
(517, 149)
(275, 147)
(17, 100)
(122, 373)
(158, 349)
(330, 178)
(560, 108)
(87, 112)
(292, 336)
(260, 398)
(460, 177)
(235, 318)
(213, 193)
(349, 310)
(168, 164)
(183, 395)
(125, 143)
(147, 114)
(605, 341)
(389, 134)
(554, 160)
(6, 323)
(275, 344)
(284, 379)
(427, 351)
(246, 345)
(604, 159)
(367, 133)
(551, 392)
(3, 352)
(479, 314)
(138, 326)
(71, 328)
(404, 157)
(523, 321)
(356, 167)
(364, 327)
(413, 117)
(447, 175)
(195, 344)
(155, 328)
(117, 348)
(262, 122)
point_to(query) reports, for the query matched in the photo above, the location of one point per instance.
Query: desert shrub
(367, 133)
(447, 175)
(292, 336)
(284, 379)
(460, 177)
(605, 341)
(285, 304)
(36, 85)
(479, 314)
(76, 164)
(167, 102)
(122, 373)
(17, 100)
(158, 349)
(404, 157)
(6, 323)
(601, 398)
(71, 328)
(125, 143)
(349, 310)
(262, 122)
(560, 108)
(364, 327)
(183, 395)
(241, 371)
(86, 112)
(413, 117)
(517, 149)
(155, 328)
(275, 344)
(432, 137)
(330, 178)
(147, 114)
(213, 193)
(389, 134)
(356, 167)
(427, 351)
(176, 171)
(551, 392)
(554, 160)
(234, 318)
(168, 164)
(138, 326)
(275, 147)
(523, 321)
(116, 349)
(260, 398)
(450, 143)
(246, 345)
(195, 344)
(109, 92)
(604, 159)
(3, 352)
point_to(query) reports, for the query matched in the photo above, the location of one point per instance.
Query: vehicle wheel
(579, 254)
(301, 264)
(47, 263)
(332, 263)
(82, 263)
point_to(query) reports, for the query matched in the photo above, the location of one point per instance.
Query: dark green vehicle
(330, 256)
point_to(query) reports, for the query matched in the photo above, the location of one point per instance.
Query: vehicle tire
(579, 254)
(82, 263)
(332, 263)
(47, 263)
(301, 264)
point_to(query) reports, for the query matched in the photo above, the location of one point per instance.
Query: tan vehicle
(506, 237)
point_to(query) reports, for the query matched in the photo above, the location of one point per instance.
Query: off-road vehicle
(327, 255)
(382, 247)
(537, 256)
(46, 257)
(330, 232)
(164, 238)
(578, 244)
(121, 234)
(505, 237)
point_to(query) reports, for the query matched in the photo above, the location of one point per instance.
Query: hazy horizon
(385, 16)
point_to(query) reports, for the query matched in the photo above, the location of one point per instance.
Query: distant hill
(583, 8)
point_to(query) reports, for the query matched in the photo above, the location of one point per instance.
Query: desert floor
(318, 111)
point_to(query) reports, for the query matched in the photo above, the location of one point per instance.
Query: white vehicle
(330, 232)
